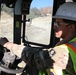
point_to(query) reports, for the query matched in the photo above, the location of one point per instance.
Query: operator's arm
(60, 57)
(58, 54)
(15, 48)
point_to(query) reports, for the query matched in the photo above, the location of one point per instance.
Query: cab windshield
(38, 25)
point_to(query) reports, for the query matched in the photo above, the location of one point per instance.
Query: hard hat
(66, 11)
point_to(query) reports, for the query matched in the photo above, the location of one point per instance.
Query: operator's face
(61, 28)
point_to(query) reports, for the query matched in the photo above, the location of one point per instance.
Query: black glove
(3, 40)
(43, 60)
(36, 57)
(28, 56)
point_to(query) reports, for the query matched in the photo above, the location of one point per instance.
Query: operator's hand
(3, 40)
(37, 57)
(28, 56)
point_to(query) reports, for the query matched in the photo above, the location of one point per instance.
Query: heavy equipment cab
(33, 31)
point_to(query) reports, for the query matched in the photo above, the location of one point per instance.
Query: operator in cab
(64, 53)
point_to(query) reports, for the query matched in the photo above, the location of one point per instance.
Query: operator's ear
(72, 27)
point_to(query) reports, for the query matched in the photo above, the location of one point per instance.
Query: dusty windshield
(38, 28)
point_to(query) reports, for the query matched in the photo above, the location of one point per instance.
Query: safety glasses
(58, 24)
